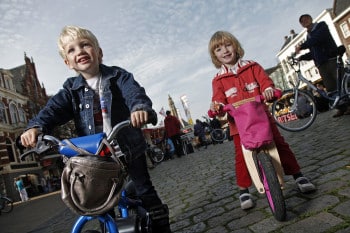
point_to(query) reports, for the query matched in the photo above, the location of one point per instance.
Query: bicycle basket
(91, 185)
(252, 123)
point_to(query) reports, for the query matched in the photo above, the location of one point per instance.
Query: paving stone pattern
(202, 195)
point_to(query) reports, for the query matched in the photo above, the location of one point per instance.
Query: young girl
(236, 80)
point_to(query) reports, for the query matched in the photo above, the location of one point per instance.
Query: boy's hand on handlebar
(29, 137)
(139, 118)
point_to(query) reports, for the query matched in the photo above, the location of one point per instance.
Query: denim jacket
(122, 95)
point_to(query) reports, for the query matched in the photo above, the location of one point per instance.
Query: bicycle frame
(106, 219)
(249, 158)
(251, 154)
(261, 155)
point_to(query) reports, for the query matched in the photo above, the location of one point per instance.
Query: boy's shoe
(304, 185)
(246, 201)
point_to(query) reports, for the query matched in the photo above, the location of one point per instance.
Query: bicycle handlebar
(224, 108)
(46, 143)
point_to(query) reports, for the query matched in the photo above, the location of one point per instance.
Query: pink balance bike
(259, 151)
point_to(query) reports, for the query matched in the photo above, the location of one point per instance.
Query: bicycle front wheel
(292, 115)
(272, 186)
(7, 205)
(218, 135)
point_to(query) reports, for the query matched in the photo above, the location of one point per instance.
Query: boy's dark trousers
(138, 172)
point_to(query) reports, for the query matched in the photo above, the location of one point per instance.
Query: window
(2, 113)
(345, 29)
(13, 113)
(1, 80)
(8, 82)
(22, 116)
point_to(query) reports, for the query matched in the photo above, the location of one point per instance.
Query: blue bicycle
(132, 217)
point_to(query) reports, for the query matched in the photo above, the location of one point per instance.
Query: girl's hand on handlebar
(268, 94)
(29, 137)
(139, 118)
(216, 106)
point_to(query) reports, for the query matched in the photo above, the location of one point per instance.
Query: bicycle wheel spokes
(218, 135)
(7, 205)
(272, 186)
(157, 155)
(292, 115)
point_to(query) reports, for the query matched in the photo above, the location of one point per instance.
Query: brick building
(341, 12)
(21, 97)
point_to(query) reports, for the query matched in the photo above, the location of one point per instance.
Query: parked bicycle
(155, 153)
(260, 152)
(296, 109)
(6, 204)
(218, 135)
(132, 218)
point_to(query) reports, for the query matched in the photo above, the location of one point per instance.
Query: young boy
(236, 80)
(96, 99)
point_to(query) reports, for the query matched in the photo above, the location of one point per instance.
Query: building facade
(341, 12)
(21, 97)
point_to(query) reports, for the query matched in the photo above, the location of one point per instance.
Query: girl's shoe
(246, 201)
(304, 185)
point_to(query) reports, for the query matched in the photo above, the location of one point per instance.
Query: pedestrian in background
(199, 131)
(173, 131)
(21, 189)
(169, 149)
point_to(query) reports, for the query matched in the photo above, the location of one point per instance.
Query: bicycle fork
(252, 165)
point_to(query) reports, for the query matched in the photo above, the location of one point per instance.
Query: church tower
(172, 107)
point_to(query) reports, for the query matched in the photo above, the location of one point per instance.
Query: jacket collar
(236, 69)
(107, 73)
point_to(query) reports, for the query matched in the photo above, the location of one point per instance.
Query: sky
(164, 43)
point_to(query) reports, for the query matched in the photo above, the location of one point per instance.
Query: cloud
(163, 43)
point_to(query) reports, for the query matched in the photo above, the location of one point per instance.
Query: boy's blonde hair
(220, 38)
(70, 33)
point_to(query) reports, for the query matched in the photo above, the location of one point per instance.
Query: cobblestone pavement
(202, 196)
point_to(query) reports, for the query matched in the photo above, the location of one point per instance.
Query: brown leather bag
(91, 185)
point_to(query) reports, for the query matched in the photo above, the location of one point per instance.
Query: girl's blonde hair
(220, 38)
(70, 33)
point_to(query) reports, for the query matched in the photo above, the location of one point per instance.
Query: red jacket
(172, 126)
(245, 80)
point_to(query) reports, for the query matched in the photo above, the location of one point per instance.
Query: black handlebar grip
(152, 117)
(19, 144)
